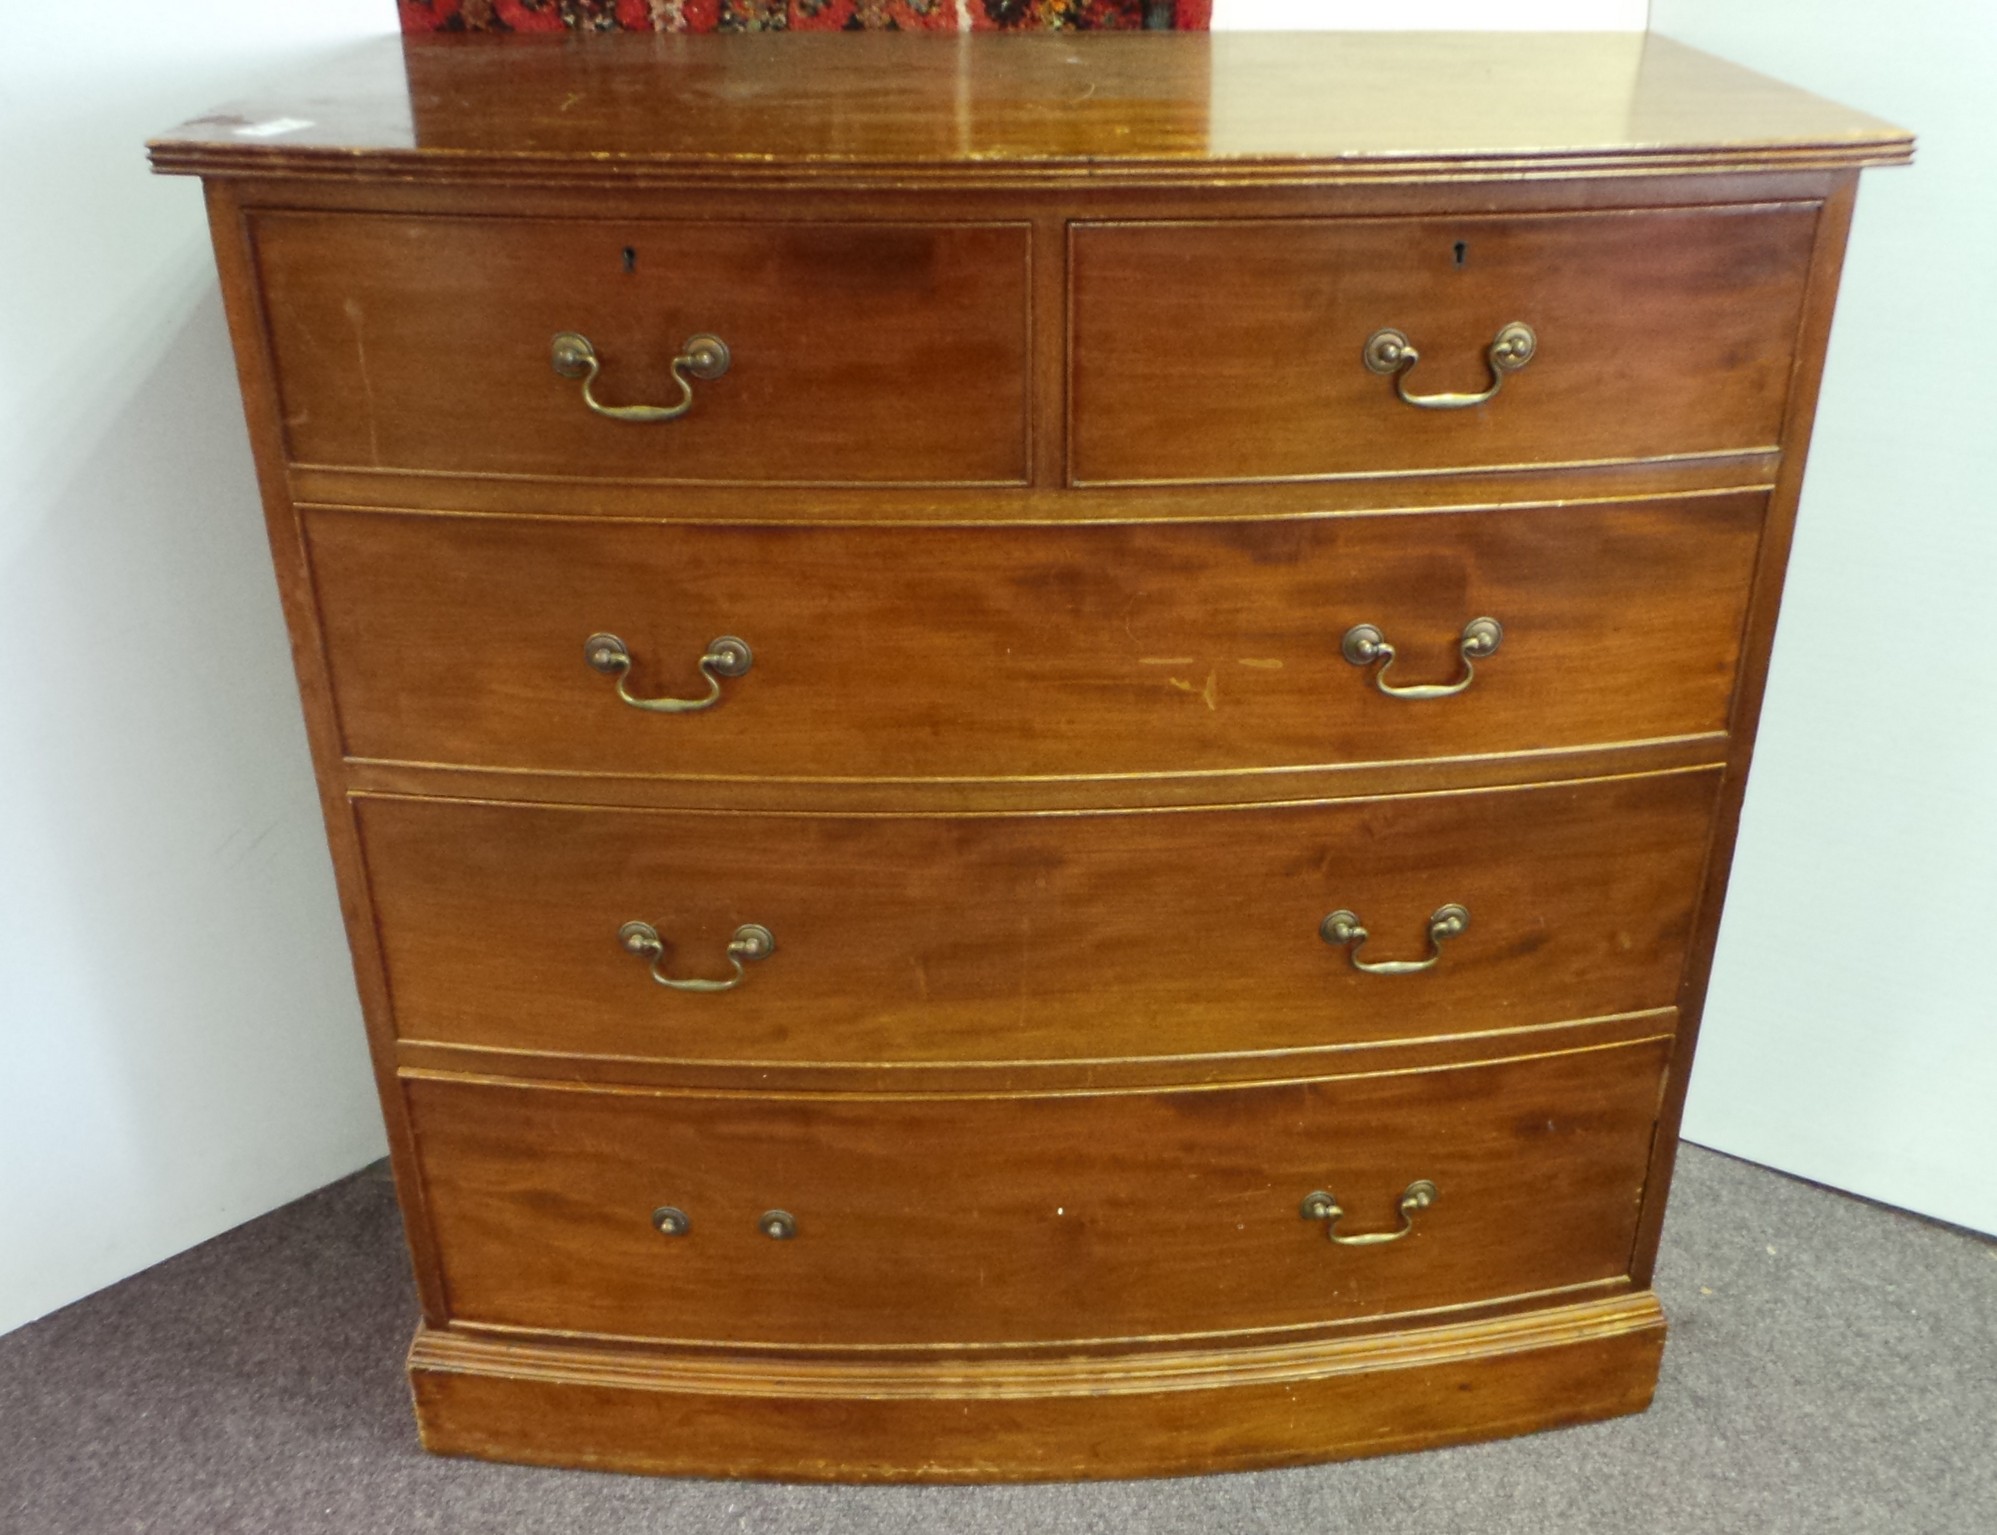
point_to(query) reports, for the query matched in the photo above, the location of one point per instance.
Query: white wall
(179, 1040)
(1851, 1033)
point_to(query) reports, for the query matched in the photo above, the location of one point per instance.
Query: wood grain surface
(1770, 569)
(861, 352)
(1195, 108)
(995, 653)
(1224, 1409)
(1659, 332)
(1092, 1074)
(1020, 938)
(937, 1219)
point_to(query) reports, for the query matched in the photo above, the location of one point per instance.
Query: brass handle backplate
(1364, 644)
(751, 942)
(1320, 1206)
(724, 657)
(1389, 351)
(1342, 930)
(705, 357)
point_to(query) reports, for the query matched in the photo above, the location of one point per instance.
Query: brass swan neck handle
(1389, 351)
(752, 941)
(1320, 1206)
(574, 355)
(1364, 644)
(1342, 930)
(724, 657)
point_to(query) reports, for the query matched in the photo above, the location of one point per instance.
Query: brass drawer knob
(724, 657)
(671, 1221)
(752, 941)
(1342, 930)
(777, 1225)
(1389, 351)
(1320, 1206)
(705, 357)
(1364, 644)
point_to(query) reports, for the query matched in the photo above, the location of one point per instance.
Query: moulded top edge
(1002, 109)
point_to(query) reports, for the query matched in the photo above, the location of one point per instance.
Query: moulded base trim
(1094, 1416)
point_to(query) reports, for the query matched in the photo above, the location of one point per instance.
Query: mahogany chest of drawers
(1031, 743)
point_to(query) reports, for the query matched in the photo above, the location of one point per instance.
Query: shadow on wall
(181, 1040)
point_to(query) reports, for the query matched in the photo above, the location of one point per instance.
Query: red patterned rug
(798, 15)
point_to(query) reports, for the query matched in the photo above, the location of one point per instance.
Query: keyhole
(1462, 251)
(631, 257)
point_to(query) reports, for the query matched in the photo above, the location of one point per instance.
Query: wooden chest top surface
(1233, 106)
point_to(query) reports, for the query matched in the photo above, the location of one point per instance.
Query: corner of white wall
(179, 1045)
(1848, 1033)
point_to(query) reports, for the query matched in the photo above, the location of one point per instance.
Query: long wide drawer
(1240, 350)
(982, 1219)
(1032, 937)
(861, 353)
(1000, 652)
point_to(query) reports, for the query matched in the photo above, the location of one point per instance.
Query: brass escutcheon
(777, 1225)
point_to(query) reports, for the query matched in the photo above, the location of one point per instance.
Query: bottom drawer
(958, 1218)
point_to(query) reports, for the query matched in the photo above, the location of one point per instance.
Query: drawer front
(1236, 351)
(995, 652)
(1021, 1219)
(858, 353)
(1033, 937)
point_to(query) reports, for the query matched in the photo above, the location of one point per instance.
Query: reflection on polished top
(1244, 106)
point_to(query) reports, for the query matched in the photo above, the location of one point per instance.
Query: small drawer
(1239, 350)
(856, 353)
(841, 1221)
(1015, 938)
(997, 652)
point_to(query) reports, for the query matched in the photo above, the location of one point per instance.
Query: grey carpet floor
(1832, 1367)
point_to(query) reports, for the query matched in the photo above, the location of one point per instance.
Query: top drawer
(1237, 351)
(858, 353)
